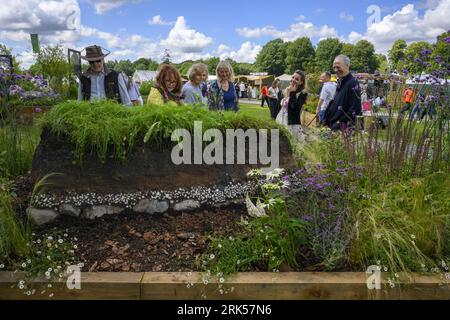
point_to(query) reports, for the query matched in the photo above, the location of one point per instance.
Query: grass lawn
(255, 110)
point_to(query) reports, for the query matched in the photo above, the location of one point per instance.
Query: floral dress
(216, 100)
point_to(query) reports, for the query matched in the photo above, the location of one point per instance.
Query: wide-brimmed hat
(94, 53)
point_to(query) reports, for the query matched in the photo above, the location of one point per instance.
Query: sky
(235, 29)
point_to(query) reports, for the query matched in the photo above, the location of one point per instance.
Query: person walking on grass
(264, 96)
(408, 99)
(418, 107)
(99, 82)
(428, 107)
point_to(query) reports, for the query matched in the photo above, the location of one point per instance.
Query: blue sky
(199, 29)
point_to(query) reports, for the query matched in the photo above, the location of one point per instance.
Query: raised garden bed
(243, 286)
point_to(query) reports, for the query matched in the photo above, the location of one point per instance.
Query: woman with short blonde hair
(192, 92)
(221, 93)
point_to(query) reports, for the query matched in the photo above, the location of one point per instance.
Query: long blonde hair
(224, 64)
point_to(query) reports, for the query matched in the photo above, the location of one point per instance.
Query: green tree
(362, 56)
(299, 55)
(313, 82)
(272, 57)
(397, 54)
(383, 65)
(348, 49)
(145, 64)
(240, 68)
(441, 53)
(52, 62)
(212, 64)
(184, 67)
(416, 61)
(125, 66)
(111, 64)
(326, 51)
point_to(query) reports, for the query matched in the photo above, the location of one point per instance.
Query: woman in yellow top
(167, 86)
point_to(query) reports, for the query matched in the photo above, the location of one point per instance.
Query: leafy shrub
(266, 242)
(14, 236)
(17, 145)
(145, 88)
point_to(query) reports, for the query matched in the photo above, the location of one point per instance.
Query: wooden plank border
(245, 286)
(94, 286)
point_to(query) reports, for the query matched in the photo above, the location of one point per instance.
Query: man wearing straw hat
(99, 82)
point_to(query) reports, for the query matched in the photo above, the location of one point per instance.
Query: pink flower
(37, 110)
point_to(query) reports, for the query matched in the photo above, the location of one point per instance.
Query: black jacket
(295, 106)
(346, 103)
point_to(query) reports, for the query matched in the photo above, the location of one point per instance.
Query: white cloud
(157, 20)
(103, 6)
(112, 40)
(222, 49)
(353, 37)
(270, 31)
(185, 40)
(407, 24)
(19, 35)
(246, 53)
(40, 15)
(428, 4)
(296, 30)
(300, 18)
(26, 59)
(346, 16)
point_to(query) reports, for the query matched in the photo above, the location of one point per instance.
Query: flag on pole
(35, 42)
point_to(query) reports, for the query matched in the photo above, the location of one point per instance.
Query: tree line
(278, 57)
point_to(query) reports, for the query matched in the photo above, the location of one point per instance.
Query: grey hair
(197, 68)
(344, 59)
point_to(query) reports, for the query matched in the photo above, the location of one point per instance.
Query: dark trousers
(265, 98)
(274, 107)
(406, 107)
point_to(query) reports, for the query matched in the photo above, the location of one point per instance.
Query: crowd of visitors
(339, 104)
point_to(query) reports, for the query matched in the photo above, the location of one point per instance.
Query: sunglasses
(96, 61)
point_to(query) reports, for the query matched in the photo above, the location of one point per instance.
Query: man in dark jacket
(99, 82)
(346, 105)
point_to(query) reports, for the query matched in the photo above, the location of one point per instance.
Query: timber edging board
(246, 286)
